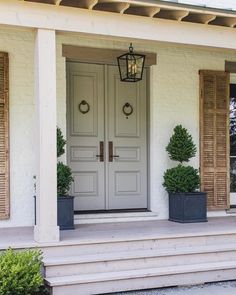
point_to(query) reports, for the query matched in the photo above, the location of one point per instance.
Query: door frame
(148, 127)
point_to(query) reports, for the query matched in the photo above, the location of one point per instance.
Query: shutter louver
(4, 148)
(214, 138)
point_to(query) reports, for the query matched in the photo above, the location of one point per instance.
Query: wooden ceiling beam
(88, 4)
(57, 2)
(119, 7)
(199, 18)
(41, 1)
(172, 14)
(143, 10)
(224, 21)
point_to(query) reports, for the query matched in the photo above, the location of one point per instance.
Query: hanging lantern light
(131, 66)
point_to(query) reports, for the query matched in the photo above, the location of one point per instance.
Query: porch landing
(22, 237)
(113, 257)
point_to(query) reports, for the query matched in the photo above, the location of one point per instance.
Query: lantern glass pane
(140, 64)
(123, 67)
(131, 67)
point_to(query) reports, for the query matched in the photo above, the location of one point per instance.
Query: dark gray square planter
(65, 212)
(188, 207)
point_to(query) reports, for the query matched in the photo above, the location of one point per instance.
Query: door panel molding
(126, 126)
(84, 124)
(127, 183)
(128, 153)
(83, 153)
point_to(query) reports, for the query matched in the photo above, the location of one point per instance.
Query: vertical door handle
(111, 156)
(101, 155)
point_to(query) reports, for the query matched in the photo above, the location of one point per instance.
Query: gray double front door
(106, 138)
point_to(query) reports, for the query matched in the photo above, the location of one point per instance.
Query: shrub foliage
(20, 272)
(182, 179)
(181, 148)
(64, 179)
(64, 173)
(61, 142)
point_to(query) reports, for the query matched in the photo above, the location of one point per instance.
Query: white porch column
(46, 229)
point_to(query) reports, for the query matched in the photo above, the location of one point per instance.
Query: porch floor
(22, 237)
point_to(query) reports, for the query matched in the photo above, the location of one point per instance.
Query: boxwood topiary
(181, 148)
(181, 179)
(64, 173)
(61, 142)
(64, 179)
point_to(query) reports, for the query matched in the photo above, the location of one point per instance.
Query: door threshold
(111, 211)
(114, 217)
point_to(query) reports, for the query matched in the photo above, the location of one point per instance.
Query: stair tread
(138, 273)
(111, 256)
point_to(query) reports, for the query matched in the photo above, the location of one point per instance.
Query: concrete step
(108, 282)
(123, 244)
(139, 259)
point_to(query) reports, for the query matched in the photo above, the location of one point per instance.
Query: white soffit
(208, 12)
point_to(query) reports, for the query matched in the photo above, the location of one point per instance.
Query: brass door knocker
(84, 107)
(127, 109)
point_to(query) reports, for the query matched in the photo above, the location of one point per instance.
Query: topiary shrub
(64, 179)
(181, 148)
(20, 272)
(181, 179)
(64, 173)
(61, 142)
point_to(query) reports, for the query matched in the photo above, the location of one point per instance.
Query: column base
(46, 234)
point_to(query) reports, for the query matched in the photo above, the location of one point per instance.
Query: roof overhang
(153, 9)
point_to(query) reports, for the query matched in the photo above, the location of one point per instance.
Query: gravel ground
(223, 288)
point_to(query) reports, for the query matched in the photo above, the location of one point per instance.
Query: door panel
(127, 173)
(85, 121)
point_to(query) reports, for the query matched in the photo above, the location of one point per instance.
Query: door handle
(111, 156)
(101, 155)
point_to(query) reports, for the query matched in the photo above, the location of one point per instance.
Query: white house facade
(60, 53)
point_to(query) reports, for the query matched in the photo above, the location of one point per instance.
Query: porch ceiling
(153, 9)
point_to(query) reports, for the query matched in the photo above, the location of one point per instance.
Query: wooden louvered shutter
(4, 149)
(214, 138)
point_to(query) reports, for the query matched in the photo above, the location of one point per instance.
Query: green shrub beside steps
(20, 272)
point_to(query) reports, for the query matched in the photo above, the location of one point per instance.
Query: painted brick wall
(174, 100)
(19, 44)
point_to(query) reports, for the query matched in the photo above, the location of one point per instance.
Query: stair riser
(138, 263)
(145, 283)
(108, 247)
